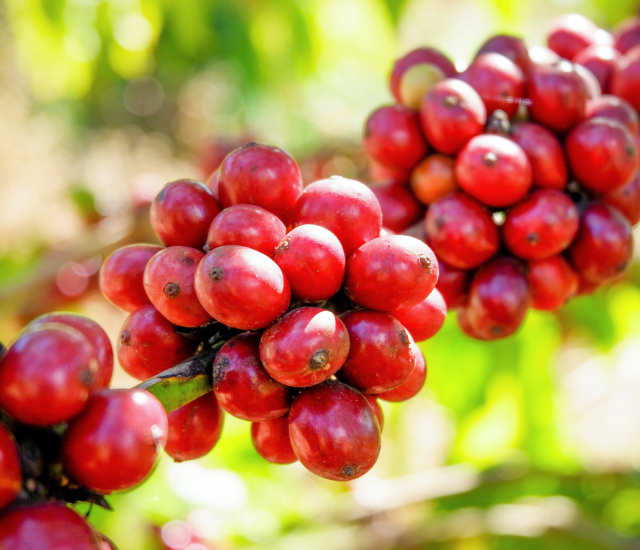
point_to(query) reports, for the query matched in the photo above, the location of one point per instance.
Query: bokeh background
(532, 442)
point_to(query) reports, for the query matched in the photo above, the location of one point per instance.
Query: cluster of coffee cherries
(65, 436)
(319, 311)
(526, 163)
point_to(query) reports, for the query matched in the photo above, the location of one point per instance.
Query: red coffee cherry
(545, 154)
(570, 33)
(10, 475)
(614, 108)
(424, 319)
(627, 34)
(552, 281)
(169, 281)
(149, 344)
(400, 209)
(392, 137)
(600, 60)
(542, 225)
(604, 244)
(453, 284)
(194, 428)
(241, 287)
(461, 231)
(511, 47)
(114, 443)
(499, 298)
(247, 225)
(433, 178)
(46, 526)
(377, 409)
(412, 385)
(242, 385)
(121, 276)
(347, 208)
(262, 175)
(271, 439)
(312, 260)
(451, 114)
(380, 356)
(47, 375)
(305, 347)
(334, 431)
(182, 213)
(589, 80)
(626, 199)
(391, 272)
(462, 314)
(494, 170)
(602, 154)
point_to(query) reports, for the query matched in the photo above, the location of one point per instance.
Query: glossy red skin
(602, 154)
(247, 225)
(499, 298)
(625, 82)
(451, 114)
(391, 272)
(249, 292)
(504, 180)
(271, 439)
(194, 428)
(347, 208)
(149, 344)
(262, 175)
(313, 262)
(462, 315)
(392, 137)
(627, 34)
(542, 225)
(626, 199)
(419, 56)
(553, 281)
(600, 60)
(604, 244)
(614, 108)
(545, 154)
(305, 347)
(377, 409)
(412, 385)
(400, 209)
(380, 356)
(47, 375)
(424, 319)
(541, 55)
(121, 276)
(96, 336)
(570, 33)
(334, 431)
(589, 80)
(509, 46)
(46, 526)
(10, 475)
(241, 384)
(498, 81)
(558, 96)
(182, 213)
(114, 443)
(453, 284)
(461, 231)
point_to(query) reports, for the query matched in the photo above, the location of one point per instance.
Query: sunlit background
(532, 442)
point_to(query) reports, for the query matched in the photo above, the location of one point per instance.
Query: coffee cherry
(194, 428)
(10, 476)
(451, 114)
(462, 314)
(247, 225)
(509, 46)
(434, 178)
(453, 284)
(391, 272)
(334, 431)
(400, 209)
(392, 137)
(114, 443)
(625, 82)
(261, 175)
(542, 225)
(627, 34)
(552, 281)
(570, 33)
(600, 60)
(626, 199)
(46, 526)
(241, 287)
(412, 385)
(305, 347)
(590, 82)
(241, 384)
(121, 276)
(47, 374)
(461, 231)
(424, 319)
(604, 244)
(149, 344)
(602, 154)
(376, 339)
(182, 213)
(386, 174)
(271, 439)
(312, 260)
(614, 108)
(541, 55)
(347, 208)
(494, 170)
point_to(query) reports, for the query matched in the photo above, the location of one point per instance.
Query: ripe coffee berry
(305, 347)
(271, 439)
(511, 47)
(627, 34)
(334, 431)
(553, 281)
(412, 385)
(590, 82)
(600, 60)
(614, 108)
(400, 209)
(625, 82)
(424, 319)
(626, 199)
(453, 284)
(570, 33)
(10, 476)
(433, 178)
